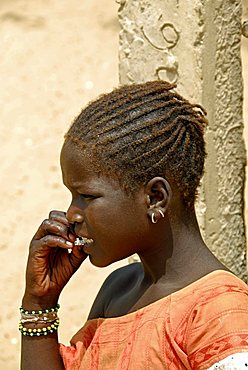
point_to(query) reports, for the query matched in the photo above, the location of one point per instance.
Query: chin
(103, 262)
(98, 262)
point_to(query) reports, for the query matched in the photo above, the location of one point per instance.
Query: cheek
(119, 220)
(121, 227)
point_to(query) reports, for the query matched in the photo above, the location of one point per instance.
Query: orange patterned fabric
(190, 329)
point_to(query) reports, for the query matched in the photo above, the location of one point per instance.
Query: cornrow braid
(140, 131)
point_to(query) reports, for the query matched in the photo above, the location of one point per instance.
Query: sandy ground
(54, 58)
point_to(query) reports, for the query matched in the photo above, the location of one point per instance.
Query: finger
(59, 216)
(51, 226)
(77, 256)
(52, 241)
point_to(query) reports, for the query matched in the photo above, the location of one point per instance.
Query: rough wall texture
(222, 96)
(244, 53)
(196, 44)
(152, 43)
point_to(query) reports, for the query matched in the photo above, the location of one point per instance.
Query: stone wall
(197, 45)
(244, 52)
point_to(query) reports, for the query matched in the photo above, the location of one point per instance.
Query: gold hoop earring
(154, 221)
(161, 212)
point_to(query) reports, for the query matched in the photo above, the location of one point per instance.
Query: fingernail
(69, 243)
(71, 236)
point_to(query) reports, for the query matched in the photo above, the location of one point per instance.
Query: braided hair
(140, 131)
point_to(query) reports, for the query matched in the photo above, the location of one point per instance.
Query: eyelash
(87, 196)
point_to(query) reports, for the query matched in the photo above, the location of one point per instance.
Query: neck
(178, 253)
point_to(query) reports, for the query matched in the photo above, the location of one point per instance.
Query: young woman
(132, 161)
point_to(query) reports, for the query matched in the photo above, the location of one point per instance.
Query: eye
(87, 196)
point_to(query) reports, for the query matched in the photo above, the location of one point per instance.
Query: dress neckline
(181, 291)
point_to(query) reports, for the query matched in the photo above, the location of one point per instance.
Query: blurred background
(55, 57)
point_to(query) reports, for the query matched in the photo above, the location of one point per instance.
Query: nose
(74, 214)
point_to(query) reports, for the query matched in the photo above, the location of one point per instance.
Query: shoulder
(214, 319)
(117, 283)
(223, 286)
(215, 284)
(219, 296)
(214, 293)
(125, 273)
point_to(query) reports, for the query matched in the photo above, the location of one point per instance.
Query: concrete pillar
(197, 45)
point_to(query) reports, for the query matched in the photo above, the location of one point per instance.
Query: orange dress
(192, 328)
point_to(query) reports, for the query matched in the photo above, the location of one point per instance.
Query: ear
(159, 193)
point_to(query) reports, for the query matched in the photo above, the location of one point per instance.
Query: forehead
(75, 161)
(79, 168)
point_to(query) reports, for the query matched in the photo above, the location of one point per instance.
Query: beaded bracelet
(39, 312)
(36, 332)
(39, 318)
(46, 316)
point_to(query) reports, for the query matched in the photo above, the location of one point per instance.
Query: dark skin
(172, 251)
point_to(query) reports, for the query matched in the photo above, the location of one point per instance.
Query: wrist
(30, 302)
(36, 322)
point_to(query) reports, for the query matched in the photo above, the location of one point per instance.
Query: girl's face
(117, 223)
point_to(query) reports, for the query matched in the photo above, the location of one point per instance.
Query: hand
(49, 265)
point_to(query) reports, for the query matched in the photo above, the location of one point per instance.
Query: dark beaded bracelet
(36, 332)
(39, 312)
